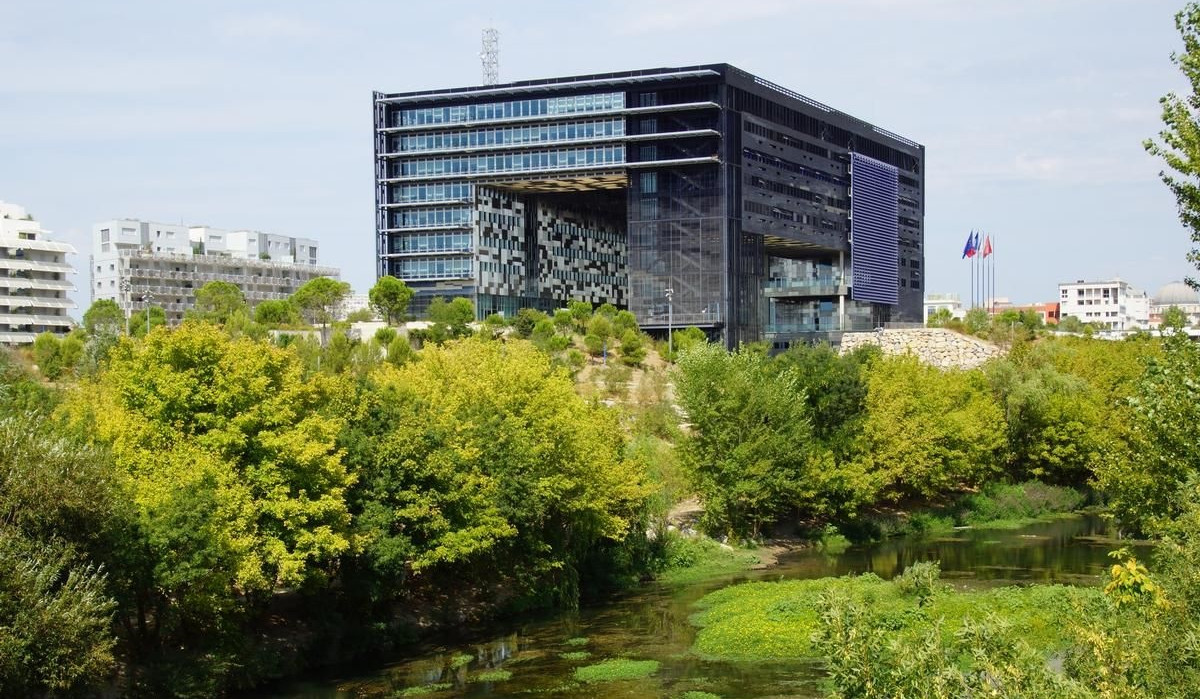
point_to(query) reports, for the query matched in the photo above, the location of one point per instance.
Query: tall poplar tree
(1179, 141)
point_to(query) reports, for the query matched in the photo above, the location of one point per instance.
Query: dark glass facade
(735, 194)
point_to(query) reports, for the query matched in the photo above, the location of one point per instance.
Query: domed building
(1176, 294)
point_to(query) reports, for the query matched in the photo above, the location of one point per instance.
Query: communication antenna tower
(490, 56)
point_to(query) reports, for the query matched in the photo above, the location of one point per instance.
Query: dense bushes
(831, 435)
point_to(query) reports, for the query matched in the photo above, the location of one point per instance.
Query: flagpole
(993, 275)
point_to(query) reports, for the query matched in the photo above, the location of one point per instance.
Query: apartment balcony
(22, 319)
(35, 302)
(21, 264)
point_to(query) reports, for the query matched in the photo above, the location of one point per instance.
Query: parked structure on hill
(33, 279)
(140, 263)
(700, 196)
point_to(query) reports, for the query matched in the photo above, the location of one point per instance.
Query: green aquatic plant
(423, 689)
(616, 669)
(577, 641)
(461, 660)
(776, 620)
(492, 676)
(575, 655)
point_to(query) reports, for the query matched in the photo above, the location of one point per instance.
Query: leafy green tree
(1179, 141)
(276, 312)
(53, 357)
(104, 317)
(319, 299)
(581, 313)
(55, 619)
(154, 317)
(526, 320)
(977, 321)
(835, 388)
(625, 320)
(390, 298)
(400, 351)
(384, 336)
(751, 456)
(226, 451)
(451, 319)
(682, 340)
(1144, 483)
(61, 519)
(362, 315)
(928, 431)
(216, 301)
(1070, 324)
(1172, 318)
(939, 318)
(633, 348)
(490, 463)
(1057, 426)
(599, 335)
(564, 321)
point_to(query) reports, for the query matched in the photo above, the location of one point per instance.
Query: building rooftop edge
(722, 69)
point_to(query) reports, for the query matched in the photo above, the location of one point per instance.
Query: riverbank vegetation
(203, 508)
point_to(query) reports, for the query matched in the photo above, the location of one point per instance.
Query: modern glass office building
(766, 214)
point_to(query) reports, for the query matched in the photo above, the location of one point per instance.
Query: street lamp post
(670, 322)
(147, 298)
(126, 287)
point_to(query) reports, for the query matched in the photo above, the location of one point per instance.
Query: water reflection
(653, 623)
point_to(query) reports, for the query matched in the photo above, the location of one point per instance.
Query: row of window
(425, 218)
(491, 242)
(782, 214)
(500, 268)
(809, 125)
(573, 254)
(431, 242)
(504, 221)
(510, 110)
(440, 191)
(570, 230)
(512, 135)
(791, 190)
(789, 166)
(507, 162)
(588, 277)
(431, 267)
(780, 137)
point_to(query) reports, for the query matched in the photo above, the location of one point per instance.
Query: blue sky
(257, 114)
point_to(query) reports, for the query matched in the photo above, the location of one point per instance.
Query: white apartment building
(950, 302)
(1109, 305)
(33, 279)
(138, 263)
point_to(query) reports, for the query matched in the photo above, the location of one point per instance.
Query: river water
(652, 623)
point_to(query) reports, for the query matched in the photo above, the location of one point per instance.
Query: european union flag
(971, 246)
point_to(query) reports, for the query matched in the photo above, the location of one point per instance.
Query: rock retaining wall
(935, 346)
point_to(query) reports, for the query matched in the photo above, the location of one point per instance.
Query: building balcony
(820, 286)
(22, 319)
(21, 264)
